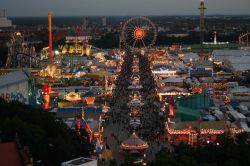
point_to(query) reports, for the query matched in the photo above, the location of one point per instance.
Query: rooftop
(9, 155)
(239, 59)
(79, 161)
(172, 80)
(230, 52)
(12, 78)
(134, 143)
(218, 125)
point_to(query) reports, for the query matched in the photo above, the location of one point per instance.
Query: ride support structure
(244, 40)
(50, 34)
(21, 53)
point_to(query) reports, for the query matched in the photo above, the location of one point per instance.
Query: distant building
(85, 23)
(15, 86)
(201, 72)
(189, 57)
(104, 21)
(177, 35)
(201, 69)
(4, 21)
(80, 162)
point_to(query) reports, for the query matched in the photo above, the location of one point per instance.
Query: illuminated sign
(78, 37)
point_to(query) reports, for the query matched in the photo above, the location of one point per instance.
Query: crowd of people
(152, 124)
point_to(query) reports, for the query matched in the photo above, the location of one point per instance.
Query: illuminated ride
(134, 144)
(244, 39)
(139, 32)
(21, 53)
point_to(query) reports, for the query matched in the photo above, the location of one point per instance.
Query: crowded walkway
(152, 124)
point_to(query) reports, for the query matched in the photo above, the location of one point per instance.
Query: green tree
(49, 139)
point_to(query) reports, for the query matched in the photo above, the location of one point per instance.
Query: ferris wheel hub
(139, 33)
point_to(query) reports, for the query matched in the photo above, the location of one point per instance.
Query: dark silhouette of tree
(226, 151)
(49, 139)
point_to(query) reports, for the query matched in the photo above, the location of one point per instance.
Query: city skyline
(122, 8)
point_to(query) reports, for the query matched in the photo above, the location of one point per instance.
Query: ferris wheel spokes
(139, 32)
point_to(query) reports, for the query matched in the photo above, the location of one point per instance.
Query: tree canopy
(49, 139)
(226, 152)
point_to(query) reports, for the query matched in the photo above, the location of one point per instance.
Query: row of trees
(226, 152)
(111, 40)
(49, 139)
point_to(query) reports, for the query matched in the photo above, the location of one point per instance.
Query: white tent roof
(239, 59)
(172, 80)
(12, 78)
(216, 53)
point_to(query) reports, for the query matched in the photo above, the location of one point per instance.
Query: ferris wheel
(139, 32)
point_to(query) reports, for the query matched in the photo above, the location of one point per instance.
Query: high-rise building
(104, 21)
(84, 23)
(202, 9)
(4, 21)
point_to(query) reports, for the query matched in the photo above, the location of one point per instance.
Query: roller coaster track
(244, 39)
(21, 60)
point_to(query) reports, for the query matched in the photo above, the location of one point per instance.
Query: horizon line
(131, 15)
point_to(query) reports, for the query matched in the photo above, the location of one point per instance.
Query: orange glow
(46, 99)
(90, 100)
(46, 89)
(139, 33)
(96, 134)
(72, 96)
(50, 33)
(171, 110)
(18, 33)
(78, 124)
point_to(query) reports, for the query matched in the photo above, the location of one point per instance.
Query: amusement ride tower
(50, 34)
(202, 9)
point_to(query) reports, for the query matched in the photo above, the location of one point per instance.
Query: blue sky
(121, 7)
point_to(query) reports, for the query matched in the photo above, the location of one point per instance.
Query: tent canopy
(134, 143)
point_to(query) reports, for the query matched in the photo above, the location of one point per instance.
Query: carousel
(135, 59)
(135, 87)
(135, 103)
(135, 64)
(135, 69)
(135, 95)
(134, 144)
(135, 113)
(135, 83)
(135, 77)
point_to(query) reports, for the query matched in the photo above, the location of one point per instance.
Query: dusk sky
(121, 7)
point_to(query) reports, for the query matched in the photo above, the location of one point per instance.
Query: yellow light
(57, 52)
(18, 34)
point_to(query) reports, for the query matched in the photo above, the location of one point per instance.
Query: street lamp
(57, 52)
